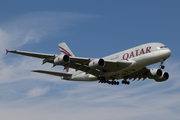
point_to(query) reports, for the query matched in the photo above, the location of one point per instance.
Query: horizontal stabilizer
(53, 73)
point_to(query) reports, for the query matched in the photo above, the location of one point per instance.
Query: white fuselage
(140, 57)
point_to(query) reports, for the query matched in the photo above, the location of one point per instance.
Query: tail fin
(65, 50)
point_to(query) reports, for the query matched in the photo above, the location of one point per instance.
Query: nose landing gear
(162, 66)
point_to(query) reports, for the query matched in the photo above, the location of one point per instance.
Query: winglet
(7, 51)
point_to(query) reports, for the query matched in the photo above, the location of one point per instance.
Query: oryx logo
(67, 53)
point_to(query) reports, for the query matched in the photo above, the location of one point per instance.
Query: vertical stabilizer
(64, 49)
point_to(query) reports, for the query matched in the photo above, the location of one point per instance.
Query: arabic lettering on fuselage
(137, 52)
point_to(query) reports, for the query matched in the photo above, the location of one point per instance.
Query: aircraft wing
(110, 65)
(82, 64)
(141, 74)
(144, 73)
(77, 63)
(47, 57)
(30, 54)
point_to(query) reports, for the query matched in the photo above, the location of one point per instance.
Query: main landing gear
(162, 66)
(125, 82)
(103, 80)
(113, 82)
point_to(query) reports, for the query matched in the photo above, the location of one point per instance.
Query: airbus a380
(129, 64)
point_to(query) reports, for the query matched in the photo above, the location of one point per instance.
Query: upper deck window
(163, 47)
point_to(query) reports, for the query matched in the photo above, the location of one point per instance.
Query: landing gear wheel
(117, 83)
(125, 82)
(161, 66)
(103, 80)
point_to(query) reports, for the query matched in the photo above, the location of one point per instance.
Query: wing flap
(53, 73)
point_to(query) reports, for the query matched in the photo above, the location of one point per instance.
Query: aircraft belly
(122, 73)
(84, 77)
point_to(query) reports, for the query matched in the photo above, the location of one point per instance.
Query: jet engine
(61, 59)
(154, 74)
(164, 77)
(97, 63)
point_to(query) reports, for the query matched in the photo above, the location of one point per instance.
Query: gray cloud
(37, 92)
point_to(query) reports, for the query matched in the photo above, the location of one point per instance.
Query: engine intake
(164, 77)
(97, 63)
(154, 73)
(61, 60)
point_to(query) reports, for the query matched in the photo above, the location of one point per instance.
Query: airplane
(129, 64)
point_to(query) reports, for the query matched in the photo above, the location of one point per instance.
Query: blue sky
(95, 29)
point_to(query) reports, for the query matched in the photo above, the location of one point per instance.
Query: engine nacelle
(97, 63)
(61, 59)
(154, 73)
(164, 77)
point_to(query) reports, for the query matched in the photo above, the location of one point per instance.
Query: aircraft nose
(168, 53)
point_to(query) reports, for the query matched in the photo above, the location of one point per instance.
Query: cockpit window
(163, 47)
